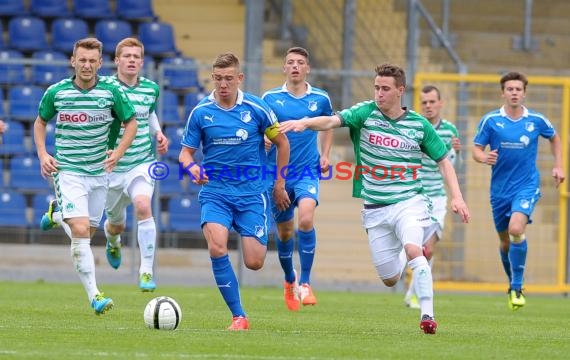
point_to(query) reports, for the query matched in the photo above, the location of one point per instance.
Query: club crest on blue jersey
(529, 126)
(313, 106)
(245, 116)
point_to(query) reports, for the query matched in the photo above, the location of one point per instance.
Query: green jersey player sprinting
(432, 180)
(83, 107)
(131, 181)
(389, 142)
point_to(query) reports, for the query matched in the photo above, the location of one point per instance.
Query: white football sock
(84, 263)
(423, 284)
(147, 244)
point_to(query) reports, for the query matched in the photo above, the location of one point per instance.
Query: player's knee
(517, 238)
(254, 264)
(305, 222)
(391, 282)
(143, 209)
(286, 233)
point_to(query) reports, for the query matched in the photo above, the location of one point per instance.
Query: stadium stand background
(484, 36)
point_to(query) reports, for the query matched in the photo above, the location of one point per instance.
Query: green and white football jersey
(389, 152)
(144, 97)
(83, 121)
(432, 179)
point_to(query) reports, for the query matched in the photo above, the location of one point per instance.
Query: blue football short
(523, 201)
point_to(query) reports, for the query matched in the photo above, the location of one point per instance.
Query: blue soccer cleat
(101, 304)
(47, 223)
(146, 283)
(113, 255)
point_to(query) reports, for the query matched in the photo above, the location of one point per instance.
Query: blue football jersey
(517, 144)
(232, 143)
(304, 152)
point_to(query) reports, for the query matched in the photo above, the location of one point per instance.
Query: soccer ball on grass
(162, 313)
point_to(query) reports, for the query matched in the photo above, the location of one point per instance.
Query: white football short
(123, 188)
(389, 228)
(80, 195)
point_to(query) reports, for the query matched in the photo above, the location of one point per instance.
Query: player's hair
(389, 70)
(128, 42)
(429, 88)
(514, 75)
(298, 50)
(89, 44)
(226, 60)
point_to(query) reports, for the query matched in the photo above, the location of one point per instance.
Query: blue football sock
(227, 283)
(307, 244)
(506, 263)
(517, 256)
(285, 252)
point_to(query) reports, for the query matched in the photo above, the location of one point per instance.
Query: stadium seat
(48, 73)
(92, 9)
(40, 203)
(191, 99)
(13, 209)
(49, 8)
(65, 32)
(25, 175)
(12, 8)
(136, 10)
(12, 140)
(50, 137)
(167, 111)
(2, 43)
(149, 67)
(27, 33)
(174, 135)
(171, 185)
(180, 73)
(184, 214)
(158, 39)
(110, 32)
(24, 102)
(12, 73)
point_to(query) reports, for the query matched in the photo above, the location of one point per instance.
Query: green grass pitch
(54, 321)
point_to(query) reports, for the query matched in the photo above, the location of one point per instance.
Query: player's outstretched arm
(319, 123)
(458, 205)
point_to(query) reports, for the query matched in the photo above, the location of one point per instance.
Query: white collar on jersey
(504, 113)
(239, 100)
(309, 88)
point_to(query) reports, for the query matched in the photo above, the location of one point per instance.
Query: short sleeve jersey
(517, 142)
(304, 155)
(232, 143)
(432, 180)
(144, 97)
(389, 152)
(83, 120)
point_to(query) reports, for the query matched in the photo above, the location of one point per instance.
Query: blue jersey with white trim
(304, 150)
(517, 142)
(232, 143)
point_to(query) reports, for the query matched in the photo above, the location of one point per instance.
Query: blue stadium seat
(49, 8)
(12, 8)
(24, 102)
(65, 32)
(110, 32)
(171, 186)
(12, 139)
(158, 39)
(184, 214)
(27, 33)
(136, 10)
(13, 209)
(40, 203)
(12, 73)
(174, 135)
(149, 67)
(25, 175)
(2, 43)
(181, 73)
(190, 101)
(49, 73)
(50, 137)
(168, 114)
(92, 9)
(2, 112)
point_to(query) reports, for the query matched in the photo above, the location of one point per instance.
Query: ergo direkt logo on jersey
(80, 117)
